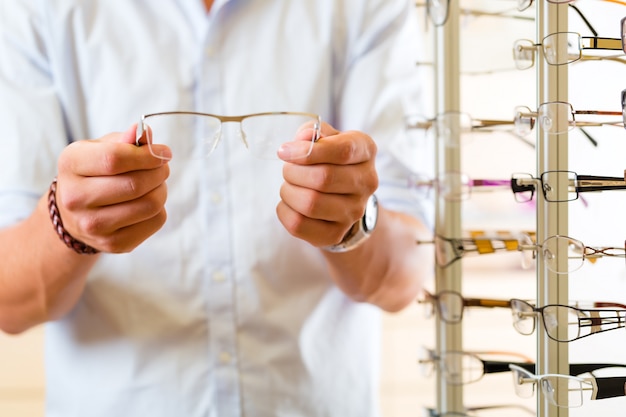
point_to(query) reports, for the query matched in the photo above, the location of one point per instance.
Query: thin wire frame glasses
(195, 135)
(558, 117)
(455, 186)
(566, 390)
(579, 322)
(496, 410)
(564, 254)
(461, 368)
(450, 250)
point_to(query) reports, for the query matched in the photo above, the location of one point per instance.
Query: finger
(93, 192)
(328, 178)
(121, 226)
(112, 154)
(339, 208)
(316, 232)
(341, 148)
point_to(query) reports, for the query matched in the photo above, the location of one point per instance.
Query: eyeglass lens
(193, 136)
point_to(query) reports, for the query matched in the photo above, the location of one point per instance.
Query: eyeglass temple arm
(576, 369)
(610, 387)
(492, 367)
(599, 183)
(486, 302)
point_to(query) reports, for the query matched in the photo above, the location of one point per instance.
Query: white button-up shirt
(221, 312)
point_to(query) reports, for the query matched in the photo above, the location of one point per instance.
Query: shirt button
(216, 198)
(209, 51)
(225, 357)
(219, 276)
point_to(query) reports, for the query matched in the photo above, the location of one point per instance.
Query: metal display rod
(552, 218)
(448, 213)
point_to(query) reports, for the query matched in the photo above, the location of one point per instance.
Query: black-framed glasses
(566, 390)
(455, 186)
(449, 250)
(195, 135)
(557, 117)
(564, 254)
(561, 186)
(564, 323)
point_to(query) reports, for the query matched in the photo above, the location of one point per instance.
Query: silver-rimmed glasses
(564, 323)
(560, 186)
(563, 254)
(556, 117)
(455, 186)
(566, 390)
(195, 135)
(460, 368)
(497, 410)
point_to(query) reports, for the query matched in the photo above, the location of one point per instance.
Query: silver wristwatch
(361, 230)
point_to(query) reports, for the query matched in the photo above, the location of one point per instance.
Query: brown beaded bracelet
(74, 244)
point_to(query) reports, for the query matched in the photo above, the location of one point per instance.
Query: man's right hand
(111, 193)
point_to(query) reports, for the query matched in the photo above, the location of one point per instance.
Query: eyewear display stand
(551, 217)
(448, 212)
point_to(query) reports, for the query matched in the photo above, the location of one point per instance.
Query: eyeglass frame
(524, 182)
(499, 366)
(416, 181)
(596, 321)
(602, 387)
(481, 245)
(589, 253)
(524, 112)
(141, 126)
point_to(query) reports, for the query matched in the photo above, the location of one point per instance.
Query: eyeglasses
(566, 390)
(196, 135)
(563, 254)
(460, 368)
(524, 50)
(578, 322)
(558, 117)
(451, 124)
(523, 185)
(525, 4)
(450, 250)
(497, 410)
(455, 186)
(450, 305)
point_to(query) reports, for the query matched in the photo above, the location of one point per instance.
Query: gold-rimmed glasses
(564, 323)
(556, 117)
(564, 254)
(450, 250)
(195, 135)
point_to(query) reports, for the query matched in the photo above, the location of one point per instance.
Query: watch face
(371, 214)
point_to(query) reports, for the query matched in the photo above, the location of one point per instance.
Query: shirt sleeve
(381, 88)
(31, 126)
